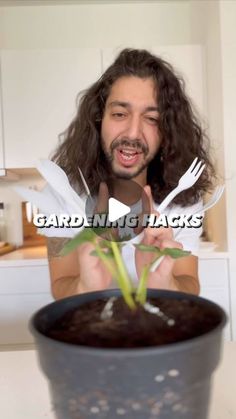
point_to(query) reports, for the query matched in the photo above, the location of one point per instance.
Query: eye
(118, 115)
(152, 120)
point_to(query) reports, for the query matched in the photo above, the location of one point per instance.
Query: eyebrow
(128, 106)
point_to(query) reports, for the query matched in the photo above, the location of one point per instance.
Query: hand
(161, 237)
(94, 275)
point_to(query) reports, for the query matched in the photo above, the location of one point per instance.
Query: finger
(156, 235)
(148, 201)
(163, 265)
(164, 270)
(170, 244)
(102, 201)
(151, 209)
(162, 233)
(147, 208)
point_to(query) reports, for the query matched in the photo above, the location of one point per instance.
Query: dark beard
(129, 176)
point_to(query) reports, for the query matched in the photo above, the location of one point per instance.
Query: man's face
(129, 131)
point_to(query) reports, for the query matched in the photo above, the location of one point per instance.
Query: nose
(134, 127)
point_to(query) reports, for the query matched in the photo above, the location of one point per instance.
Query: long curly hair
(183, 138)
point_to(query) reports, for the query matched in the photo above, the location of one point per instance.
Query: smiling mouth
(128, 157)
(128, 154)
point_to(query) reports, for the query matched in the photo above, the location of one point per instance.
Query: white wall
(228, 47)
(206, 29)
(217, 31)
(95, 25)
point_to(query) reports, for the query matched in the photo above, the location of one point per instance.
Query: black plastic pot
(165, 382)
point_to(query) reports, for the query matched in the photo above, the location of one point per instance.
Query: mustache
(126, 142)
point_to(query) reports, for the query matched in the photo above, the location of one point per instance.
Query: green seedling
(109, 252)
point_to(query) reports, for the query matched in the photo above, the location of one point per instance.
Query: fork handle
(201, 211)
(168, 199)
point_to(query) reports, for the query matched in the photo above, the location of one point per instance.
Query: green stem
(105, 260)
(141, 293)
(123, 278)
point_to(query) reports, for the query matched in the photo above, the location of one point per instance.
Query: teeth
(126, 157)
(128, 153)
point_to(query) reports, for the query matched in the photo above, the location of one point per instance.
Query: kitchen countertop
(29, 256)
(24, 391)
(37, 255)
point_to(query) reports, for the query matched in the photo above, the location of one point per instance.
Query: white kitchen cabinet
(24, 279)
(39, 89)
(23, 290)
(214, 280)
(15, 314)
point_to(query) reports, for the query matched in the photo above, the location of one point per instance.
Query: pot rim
(130, 352)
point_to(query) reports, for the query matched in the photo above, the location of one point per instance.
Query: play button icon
(120, 213)
(116, 209)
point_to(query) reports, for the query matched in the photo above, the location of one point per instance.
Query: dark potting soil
(128, 329)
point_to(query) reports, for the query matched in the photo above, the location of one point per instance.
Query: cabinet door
(39, 89)
(214, 280)
(23, 291)
(24, 280)
(15, 314)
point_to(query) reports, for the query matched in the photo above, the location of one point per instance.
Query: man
(134, 123)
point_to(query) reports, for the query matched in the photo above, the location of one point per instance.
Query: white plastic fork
(214, 198)
(188, 179)
(209, 204)
(59, 181)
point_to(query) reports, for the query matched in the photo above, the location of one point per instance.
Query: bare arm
(76, 273)
(185, 275)
(176, 275)
(64, 270)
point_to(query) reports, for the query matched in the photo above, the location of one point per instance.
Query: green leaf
(105, 244)
(87, 235)
(146, 248)
(175, 253)
(99, 230)
(94, 253)
(107, 254)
